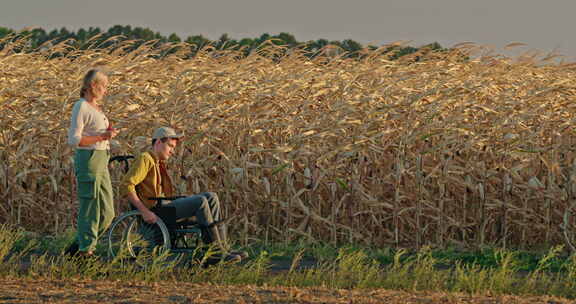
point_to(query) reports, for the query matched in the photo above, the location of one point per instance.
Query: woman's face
(100, 87)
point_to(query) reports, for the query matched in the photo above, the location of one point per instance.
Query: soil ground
(19, 290)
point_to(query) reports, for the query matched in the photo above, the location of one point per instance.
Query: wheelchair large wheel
(130, 236)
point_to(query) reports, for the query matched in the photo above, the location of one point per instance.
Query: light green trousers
(96, 210)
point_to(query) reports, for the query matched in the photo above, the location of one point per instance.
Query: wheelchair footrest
(216, 223)
(188, 230)
(188, 224)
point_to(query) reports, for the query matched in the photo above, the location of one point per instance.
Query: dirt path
(44, 291)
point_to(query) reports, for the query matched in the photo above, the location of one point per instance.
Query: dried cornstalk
(262, 127)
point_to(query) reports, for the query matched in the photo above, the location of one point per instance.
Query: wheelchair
(130, 234)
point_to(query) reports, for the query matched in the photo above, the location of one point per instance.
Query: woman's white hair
(91, 76)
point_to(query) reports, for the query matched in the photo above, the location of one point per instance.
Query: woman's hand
(110, 133)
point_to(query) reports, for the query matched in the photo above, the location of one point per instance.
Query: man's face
(165, 149)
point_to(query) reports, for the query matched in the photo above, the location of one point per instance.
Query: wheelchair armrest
(167, 198)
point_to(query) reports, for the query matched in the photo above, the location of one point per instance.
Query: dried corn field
(439, 151)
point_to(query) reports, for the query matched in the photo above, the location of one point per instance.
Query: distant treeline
(37, 39)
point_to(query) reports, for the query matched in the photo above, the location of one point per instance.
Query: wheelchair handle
(122, 159)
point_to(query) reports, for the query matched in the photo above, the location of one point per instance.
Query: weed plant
(352, 268)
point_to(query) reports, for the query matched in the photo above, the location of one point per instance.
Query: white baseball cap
(166, 132)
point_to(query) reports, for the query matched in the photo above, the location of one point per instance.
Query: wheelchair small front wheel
(131, 236)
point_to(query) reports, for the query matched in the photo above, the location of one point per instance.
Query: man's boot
(211, 236)
(223, 236)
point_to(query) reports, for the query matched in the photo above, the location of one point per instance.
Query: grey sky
(542, 25)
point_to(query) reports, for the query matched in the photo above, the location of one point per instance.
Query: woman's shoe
(72, 249)
(86, 253)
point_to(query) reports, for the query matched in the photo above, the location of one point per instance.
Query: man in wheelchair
(148, 178)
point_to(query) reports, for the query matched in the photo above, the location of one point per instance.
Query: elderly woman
(90, 133)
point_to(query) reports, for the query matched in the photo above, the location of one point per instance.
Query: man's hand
(149, 216)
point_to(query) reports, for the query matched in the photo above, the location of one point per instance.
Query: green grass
(488, 271)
